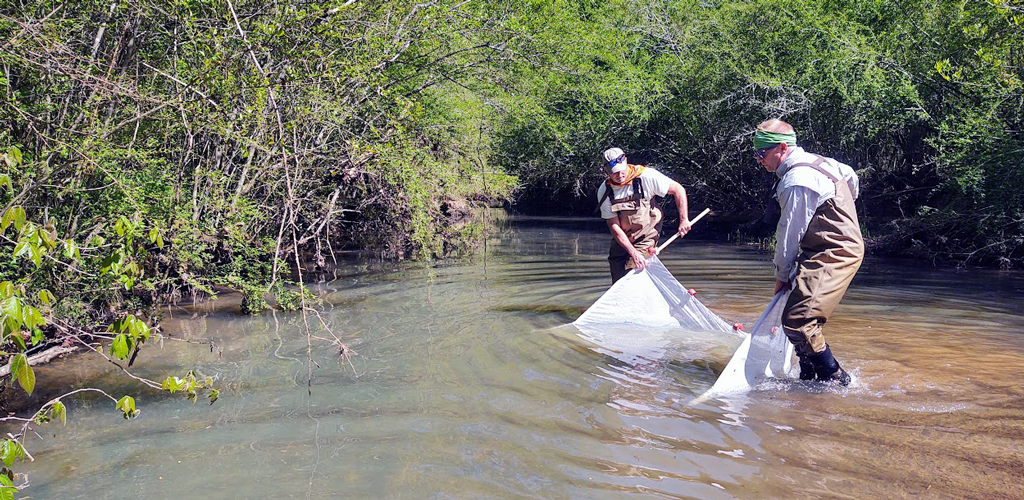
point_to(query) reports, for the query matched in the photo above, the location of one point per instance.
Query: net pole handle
(674, 236)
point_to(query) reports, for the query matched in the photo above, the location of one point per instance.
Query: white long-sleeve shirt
(800, 192)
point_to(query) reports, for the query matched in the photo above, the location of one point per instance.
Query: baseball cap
(615, 160)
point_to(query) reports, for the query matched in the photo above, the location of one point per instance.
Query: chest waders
(831, 252)
(640, 218)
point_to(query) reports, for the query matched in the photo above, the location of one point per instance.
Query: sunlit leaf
(5, 181)
(16, 363)
(10, 451)
(119, 348)
(71, 250)
(46, 297)
(31, 317)
(19, 216)
(36, 254)
(122, 226)
(23, 372)
(173, 384)
(18, 340)
(22, 248)
(46, 239)
(127, 405)
(11, 308)
(59, 411)
(15, 154)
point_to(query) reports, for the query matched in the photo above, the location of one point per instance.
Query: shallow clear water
(462, 387)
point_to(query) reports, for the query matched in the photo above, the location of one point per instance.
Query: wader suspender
(638, 189)
(817, 166)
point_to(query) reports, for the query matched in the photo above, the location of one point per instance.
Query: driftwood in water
(40, 358)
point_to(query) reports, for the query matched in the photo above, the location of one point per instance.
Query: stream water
(460, 386)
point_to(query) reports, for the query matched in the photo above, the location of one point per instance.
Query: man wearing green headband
(818, 244)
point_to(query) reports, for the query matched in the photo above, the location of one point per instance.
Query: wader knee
(805, 334)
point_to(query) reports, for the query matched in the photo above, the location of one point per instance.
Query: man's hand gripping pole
(674, 236)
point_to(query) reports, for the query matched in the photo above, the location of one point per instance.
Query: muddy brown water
(462, 387)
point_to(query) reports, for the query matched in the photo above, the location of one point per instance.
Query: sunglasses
(761, 153)
(616, 161)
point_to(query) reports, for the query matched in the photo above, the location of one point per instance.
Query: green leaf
(59, 411)
(33, 318)
(5, 181)
(37, 336)
(119, 326)
(19, 216)
(11, 308)
(9, 452)
(14, 215)
(127, 405)
(71, 250)
(119, 348)
(122, 226)
(15, 154)
(23, 372)
(112, 264)
(46, 297)
(137, 327)
(10, 326)
(6, 289)
(7, 491)
(22, 248)
(36, 254)
(154, 237)
(16, 337)
(46, 238)
(173, 384)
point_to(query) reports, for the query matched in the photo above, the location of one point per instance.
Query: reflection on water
(464, 386)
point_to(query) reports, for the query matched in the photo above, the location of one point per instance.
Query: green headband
(764, 139)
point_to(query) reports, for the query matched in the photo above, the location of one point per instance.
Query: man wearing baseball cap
(627, 204)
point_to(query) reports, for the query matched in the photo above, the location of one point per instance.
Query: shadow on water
(466, 384)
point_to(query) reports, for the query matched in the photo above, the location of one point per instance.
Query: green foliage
(186, 146)
(10, 451)
(288, 299)
(23, 373)
(7, 489)
(127, 406)
(252, 299)
(925, 99)
(190, 384)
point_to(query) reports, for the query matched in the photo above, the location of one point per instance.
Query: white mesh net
(647, 313)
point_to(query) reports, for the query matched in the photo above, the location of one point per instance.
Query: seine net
(646, 313)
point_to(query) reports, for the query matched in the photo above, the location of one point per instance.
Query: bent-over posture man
(628, 206)
(818, 244)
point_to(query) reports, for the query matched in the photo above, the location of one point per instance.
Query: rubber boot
(827, 368)
(806, 369)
